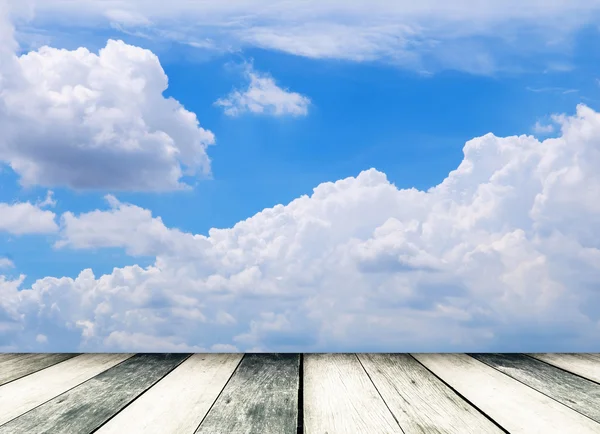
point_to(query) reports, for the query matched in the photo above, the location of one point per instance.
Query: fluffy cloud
(26, 218)
(95, 121)
(503, 255)
(263, 96)
(472, 35)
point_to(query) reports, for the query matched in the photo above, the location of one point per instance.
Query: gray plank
(578, 393)
(585, 365)
(339, 398)
(177, 403)
(420, 401)
(260, 398)
(8, 356)
(86, 407)
(22, 365)
(515, 406)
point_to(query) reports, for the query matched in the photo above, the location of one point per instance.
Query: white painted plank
(572, 390)
(585, 365)
(516, 407)
(421, 402)
(26, 393)
(177, 403)
(340, 398)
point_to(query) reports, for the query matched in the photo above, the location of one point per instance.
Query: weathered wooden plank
(575, 392)
(9, 356)
(18, 367)
(261, 397)
(178, 403)
(515, 406)
(86, 407)
(585, 365)
(20, 396)
(420, 401)
(339, 397)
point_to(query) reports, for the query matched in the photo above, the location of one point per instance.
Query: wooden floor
(291, 393)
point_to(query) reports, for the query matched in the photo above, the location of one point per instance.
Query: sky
(299, 176)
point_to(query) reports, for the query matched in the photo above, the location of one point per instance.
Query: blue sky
(409, 120)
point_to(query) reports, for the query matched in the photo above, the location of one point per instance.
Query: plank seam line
(60, 394)
(562, 369)
(378, 392)
(531, 387)
(220, 393)
(143, 392)
(300, 411)
(487, 416)
(40, 370)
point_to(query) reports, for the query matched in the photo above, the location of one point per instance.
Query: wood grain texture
(573, 391)
(419, 400)
(585, 365)
(8, 356)
(516, 407)
(339, 397)
(86, 407)
(20, 396)
(261, 397)
(177, 403)
(18, 367)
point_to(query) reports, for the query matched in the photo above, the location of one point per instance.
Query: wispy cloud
(436, 33)
(561, 90)
(540, 128)
(263, 96)
(6, 263)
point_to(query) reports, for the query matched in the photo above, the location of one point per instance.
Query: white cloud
(95, 121)
(503, 255)
(474, 35)
(540, 128)
(26, 218)
(263, 96)
(6, 263)
(49, 201)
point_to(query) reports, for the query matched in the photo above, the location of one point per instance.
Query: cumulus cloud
(478, 36)
(503, 255)
(263, 96)
(26, 218)
(95, 121)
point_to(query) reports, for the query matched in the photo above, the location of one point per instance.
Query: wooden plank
(419, 400)
(179, 402)
(585, 365)
(20, 396)
(18, 367)
(9, 356)
(260, 397)
(578, 393)
(339, 397)
(86, 407)
(516, 407)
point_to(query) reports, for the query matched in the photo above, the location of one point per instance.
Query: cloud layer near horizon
(502, 255)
